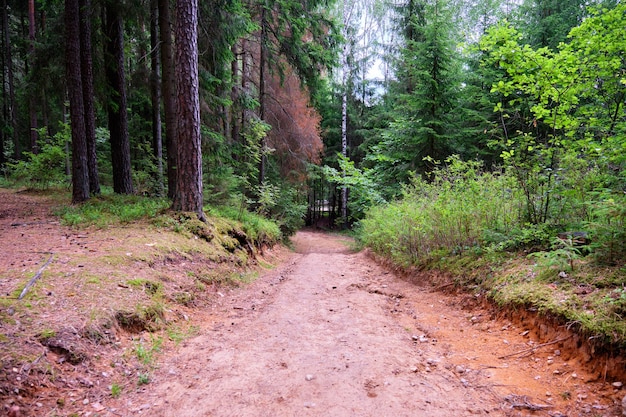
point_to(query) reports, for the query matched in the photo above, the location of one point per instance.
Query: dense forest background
(432, 124)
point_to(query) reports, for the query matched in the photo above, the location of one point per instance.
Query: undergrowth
(109, 209)
(473, 226)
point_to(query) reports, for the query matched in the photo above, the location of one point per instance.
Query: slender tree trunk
(262, 66)
(80, 171)
(169, 95)
(234, 118)
(86, 72)
(5, 106)
(17, 150)
(189, 193)
(31, 99)
(344, 115)
(245, 77)
(68, 164)
(116, 107)
(344, 147)
(155, 90)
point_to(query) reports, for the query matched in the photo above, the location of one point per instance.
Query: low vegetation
(473, 225)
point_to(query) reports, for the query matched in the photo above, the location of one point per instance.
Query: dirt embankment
(327, 332)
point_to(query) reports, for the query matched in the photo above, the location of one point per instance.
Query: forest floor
(322, 331)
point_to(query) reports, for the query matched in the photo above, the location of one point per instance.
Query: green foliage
(143, 379)
(363, 189)
(570, 104)
(43, 169)
(607, 227)
(526, 236)
(146, 178)
(116, 390)
(259, 229)
(450, 214)
(563, 254)
(425, 117)
(282, 205)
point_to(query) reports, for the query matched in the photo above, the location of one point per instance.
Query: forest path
(332, 333)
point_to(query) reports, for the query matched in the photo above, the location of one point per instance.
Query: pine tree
(189, 187)
(80, 170)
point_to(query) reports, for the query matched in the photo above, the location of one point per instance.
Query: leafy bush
(449, 214)
(47, 167)
(607, 227)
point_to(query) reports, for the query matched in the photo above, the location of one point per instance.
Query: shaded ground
(327, 332)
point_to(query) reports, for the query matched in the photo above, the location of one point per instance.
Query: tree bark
(86, 72)
(31, 99)
(155, 92)
(234, 95)
(117, 105)
(262, 65)
(80, 173)
(168, 83)
(189, 192)
(344, 117)
(5, 107)
(17, 150)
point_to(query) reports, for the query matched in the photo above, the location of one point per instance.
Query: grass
(177, 334)
(143, 379)
(108, 209)
(116, 390)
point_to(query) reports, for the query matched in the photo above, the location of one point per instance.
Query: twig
(523, 402)
(440, 287)
(35, 278)
(534, 348)
(33, 223)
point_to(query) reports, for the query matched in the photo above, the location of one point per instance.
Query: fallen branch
(532, 349)
(441, 287)
(35, 278)
(33, 223)
(523, 402)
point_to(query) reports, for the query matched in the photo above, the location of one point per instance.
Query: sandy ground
(331, 333)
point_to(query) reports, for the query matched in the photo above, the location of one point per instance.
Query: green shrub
(607, 227)
(448, 214)
(43, 169)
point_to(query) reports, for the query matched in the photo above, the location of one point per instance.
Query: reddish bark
(189, 188)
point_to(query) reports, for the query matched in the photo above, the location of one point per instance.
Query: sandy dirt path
(331, 333)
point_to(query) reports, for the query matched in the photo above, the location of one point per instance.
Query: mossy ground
(590, 298)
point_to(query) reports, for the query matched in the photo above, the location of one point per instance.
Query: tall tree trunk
(344, 116)
(86, 72)
(5, 105)
(234, 96)
(262, 65)
(169, 94)
(189, 193)
(31, 56)
(245, 78)
(155, 92)
(80, 172)
(17, 150)
(116, 107)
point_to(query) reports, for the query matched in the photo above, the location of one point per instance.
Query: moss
(144, 318)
